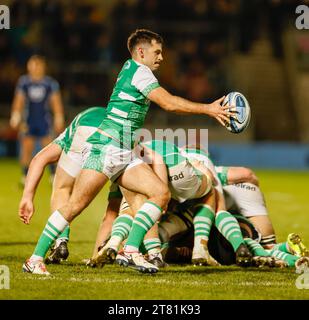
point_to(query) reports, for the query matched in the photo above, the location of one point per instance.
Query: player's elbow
(168, 106)
(249, 176)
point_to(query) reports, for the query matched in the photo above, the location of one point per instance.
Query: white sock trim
(58, 221)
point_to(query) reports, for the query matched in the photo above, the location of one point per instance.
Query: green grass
(287, 199)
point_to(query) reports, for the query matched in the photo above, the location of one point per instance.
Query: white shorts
(106, 155)
(71, 161)
(209, 165)
(246, 199)
(184, 182)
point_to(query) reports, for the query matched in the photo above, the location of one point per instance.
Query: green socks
(229, 228)
(287, 257)
(203, 220)
(120, 231)
(255, 248)
(152, 245)
(145, 218)
(54, 227)
(283, 246)
(65, 235)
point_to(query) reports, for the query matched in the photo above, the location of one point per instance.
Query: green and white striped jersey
(128, 104)
(170, 153)
(91, 117)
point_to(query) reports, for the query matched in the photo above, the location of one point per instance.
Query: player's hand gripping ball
(241, 107)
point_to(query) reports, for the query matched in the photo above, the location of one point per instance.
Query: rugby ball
(240, 104)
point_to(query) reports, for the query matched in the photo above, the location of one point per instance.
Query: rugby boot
(157, 260)
(58, 253)
(295, 243)
(243, 256)
(105, 255)
(202, 257)
(35, 267)
(135, 260)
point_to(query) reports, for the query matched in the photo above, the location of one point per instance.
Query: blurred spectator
(36, 95)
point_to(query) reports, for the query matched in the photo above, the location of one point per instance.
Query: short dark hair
(38, 57)
(142, 35)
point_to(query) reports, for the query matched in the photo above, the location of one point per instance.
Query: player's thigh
(62, 189)
(141, 179)
(86, 187)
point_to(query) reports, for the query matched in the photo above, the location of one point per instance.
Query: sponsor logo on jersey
(245, 186)
(177, 177)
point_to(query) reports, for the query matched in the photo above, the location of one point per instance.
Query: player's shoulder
(24, 79)
(143, 68)
(49, 80)
(134, 66)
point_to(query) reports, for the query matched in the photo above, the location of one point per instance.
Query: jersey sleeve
(54, 85)
(62, 139)
(21, 85)
(222, 174)
(144, 80)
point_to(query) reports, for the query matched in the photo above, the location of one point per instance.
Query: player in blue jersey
(35, 97)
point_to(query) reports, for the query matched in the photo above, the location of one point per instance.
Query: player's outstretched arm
(49, 154)
(180, 105)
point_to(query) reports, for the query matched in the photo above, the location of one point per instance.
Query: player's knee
(249, 176)
(166, 195)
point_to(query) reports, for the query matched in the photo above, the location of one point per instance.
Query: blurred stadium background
(211, 48)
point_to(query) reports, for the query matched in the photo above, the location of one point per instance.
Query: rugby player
(67, 148)
(110, 148)
(36, 93)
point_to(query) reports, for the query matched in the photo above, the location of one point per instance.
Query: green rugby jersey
(128, 104)
(91, 117)
(170, 153)
(199, 152)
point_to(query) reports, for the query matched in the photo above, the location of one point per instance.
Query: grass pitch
(286, 194)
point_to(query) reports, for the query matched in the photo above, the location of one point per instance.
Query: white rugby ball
(242, 114)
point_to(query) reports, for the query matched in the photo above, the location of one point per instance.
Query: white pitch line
(155, 281)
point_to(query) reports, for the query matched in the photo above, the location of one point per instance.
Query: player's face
(152, 55)
(36, 68)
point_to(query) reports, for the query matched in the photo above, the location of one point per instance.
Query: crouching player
(244, 196)
(186, 182)
(252, 217)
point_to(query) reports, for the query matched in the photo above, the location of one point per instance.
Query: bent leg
(141, 179)
(87, 185)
